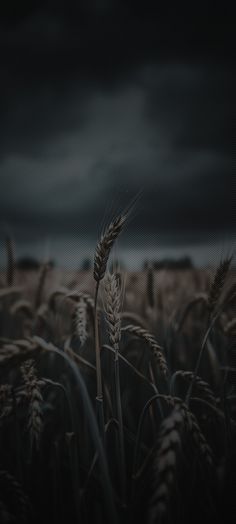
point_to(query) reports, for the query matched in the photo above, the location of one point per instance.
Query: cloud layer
(100, 103)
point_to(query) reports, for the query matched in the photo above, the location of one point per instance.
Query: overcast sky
(100, 100)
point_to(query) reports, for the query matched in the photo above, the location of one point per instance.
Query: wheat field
(117, 392)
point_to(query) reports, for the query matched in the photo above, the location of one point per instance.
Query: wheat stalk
(101, 256)
(164, 465)
(198, 438)
(81, 320)
(165, 461)
(105, 245)
(35, 399)
(197, 299)
(112, 309)
(17, 351)
(218, 283)
(57, 292)
(113, 319)
(81, 295)
(150, 286)
(201, 385)
(41, 281)
(155, 348)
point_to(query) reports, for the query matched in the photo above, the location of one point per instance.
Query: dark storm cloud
(56, 50)
(195, 103)
(104, 99)
(188, 194)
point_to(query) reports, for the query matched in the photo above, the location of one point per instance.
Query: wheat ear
(155, 348)
(76, 296)
(105, 245)
(14, 353)
(198, 438)
(164, 465)
(35, 399)
(165, 462)
(112, 309)
(81, 320)
(201, 385)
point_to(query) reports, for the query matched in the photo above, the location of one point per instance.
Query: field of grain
(117, 393)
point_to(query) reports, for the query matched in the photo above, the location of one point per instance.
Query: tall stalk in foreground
(101, 256)
(113, 318)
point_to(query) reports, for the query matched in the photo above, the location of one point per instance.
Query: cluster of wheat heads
(117, 404)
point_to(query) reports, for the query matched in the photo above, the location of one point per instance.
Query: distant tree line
(28, 263)
(170, 263)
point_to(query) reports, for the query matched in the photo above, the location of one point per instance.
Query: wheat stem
(113, 318)
(99, 397)
(197, 367)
